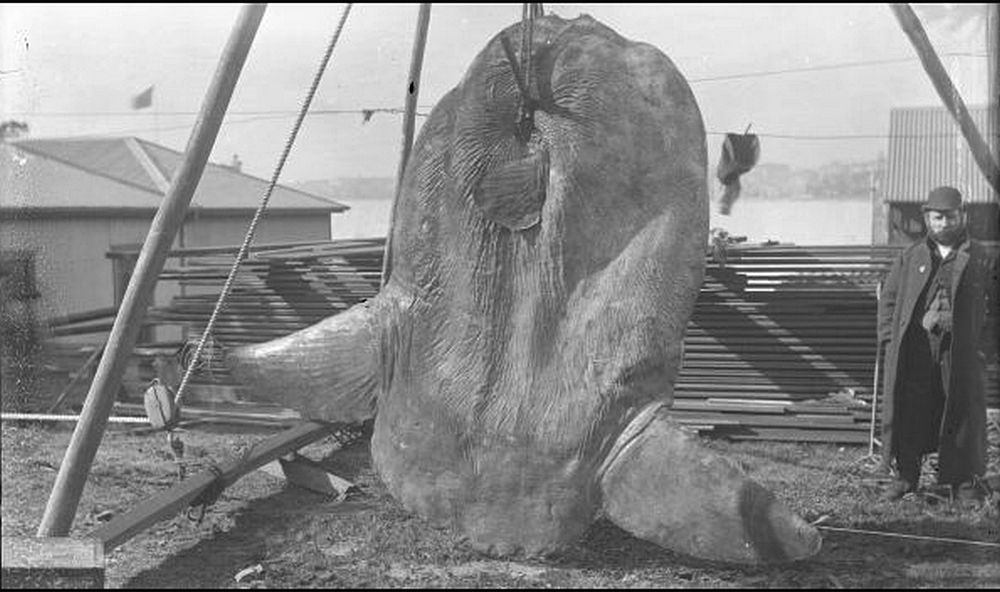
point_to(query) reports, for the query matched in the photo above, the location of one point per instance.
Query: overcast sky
(72, 69)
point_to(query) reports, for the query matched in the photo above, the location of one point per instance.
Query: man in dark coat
(937, 305)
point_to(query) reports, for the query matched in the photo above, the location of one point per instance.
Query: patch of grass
(302, 539)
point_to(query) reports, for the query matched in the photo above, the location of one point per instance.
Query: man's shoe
(968, 492)
(897, 489)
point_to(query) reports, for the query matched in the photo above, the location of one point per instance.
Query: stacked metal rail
(782, 344)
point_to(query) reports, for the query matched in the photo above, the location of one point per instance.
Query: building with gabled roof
(142, 170)
(927, 150)
(65, 203)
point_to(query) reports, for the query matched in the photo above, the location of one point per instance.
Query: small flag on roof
(143, 99)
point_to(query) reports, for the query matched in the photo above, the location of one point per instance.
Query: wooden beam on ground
(49, 563)
(309, 474)
(81, 329)
(278, 417)
(73, 471)
(81, 317)
(794, 434)
(10, 416)
(170, 502)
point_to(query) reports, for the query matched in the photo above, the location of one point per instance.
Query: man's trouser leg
(919, 406)
(908, 465)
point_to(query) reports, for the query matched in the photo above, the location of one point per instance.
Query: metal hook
(513, 63)
(521, 68)
(526, 104)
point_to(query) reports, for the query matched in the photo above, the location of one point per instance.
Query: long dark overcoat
(962, 434)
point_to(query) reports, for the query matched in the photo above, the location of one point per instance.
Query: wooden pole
(949, 94)
(409, 117)
(62, 504)
(993, 77)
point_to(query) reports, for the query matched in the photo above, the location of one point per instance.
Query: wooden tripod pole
(948, 93)
(409, 117)
(62, 504)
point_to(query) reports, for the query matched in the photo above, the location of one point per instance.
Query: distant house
(65, 203)
(926, 150)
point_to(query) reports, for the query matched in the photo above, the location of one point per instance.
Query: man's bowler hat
(943, 198)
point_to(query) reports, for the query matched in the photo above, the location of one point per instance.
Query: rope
(260, 209)
(912, 536)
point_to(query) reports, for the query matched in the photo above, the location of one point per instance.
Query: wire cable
(757, 74)
(845, 65)
(911, 536)
(260, 209)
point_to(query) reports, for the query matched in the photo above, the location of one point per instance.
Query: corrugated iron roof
(927, 150)
(128, 161)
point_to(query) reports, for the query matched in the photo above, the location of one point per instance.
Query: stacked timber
(782, 344)
(278, 289)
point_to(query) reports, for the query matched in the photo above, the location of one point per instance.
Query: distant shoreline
(804, 197)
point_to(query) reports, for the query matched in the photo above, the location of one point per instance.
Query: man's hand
(936, 322)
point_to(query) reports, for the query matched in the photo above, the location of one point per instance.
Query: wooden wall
(75, 275)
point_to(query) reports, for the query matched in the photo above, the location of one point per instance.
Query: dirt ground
(303, 539)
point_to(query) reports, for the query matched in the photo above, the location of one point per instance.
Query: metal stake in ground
(878, 355)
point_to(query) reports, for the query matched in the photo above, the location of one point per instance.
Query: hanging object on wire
(158, 401)
(740, 153)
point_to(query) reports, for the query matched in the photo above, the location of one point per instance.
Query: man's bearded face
(945, 226)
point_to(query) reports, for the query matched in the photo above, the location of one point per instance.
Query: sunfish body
(520, 358)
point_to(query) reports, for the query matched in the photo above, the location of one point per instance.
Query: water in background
(803, 221)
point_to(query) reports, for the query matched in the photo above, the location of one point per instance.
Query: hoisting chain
(522, 68)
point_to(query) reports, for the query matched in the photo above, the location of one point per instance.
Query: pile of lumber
(782, 344)
(279, 289)
(83, 323)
